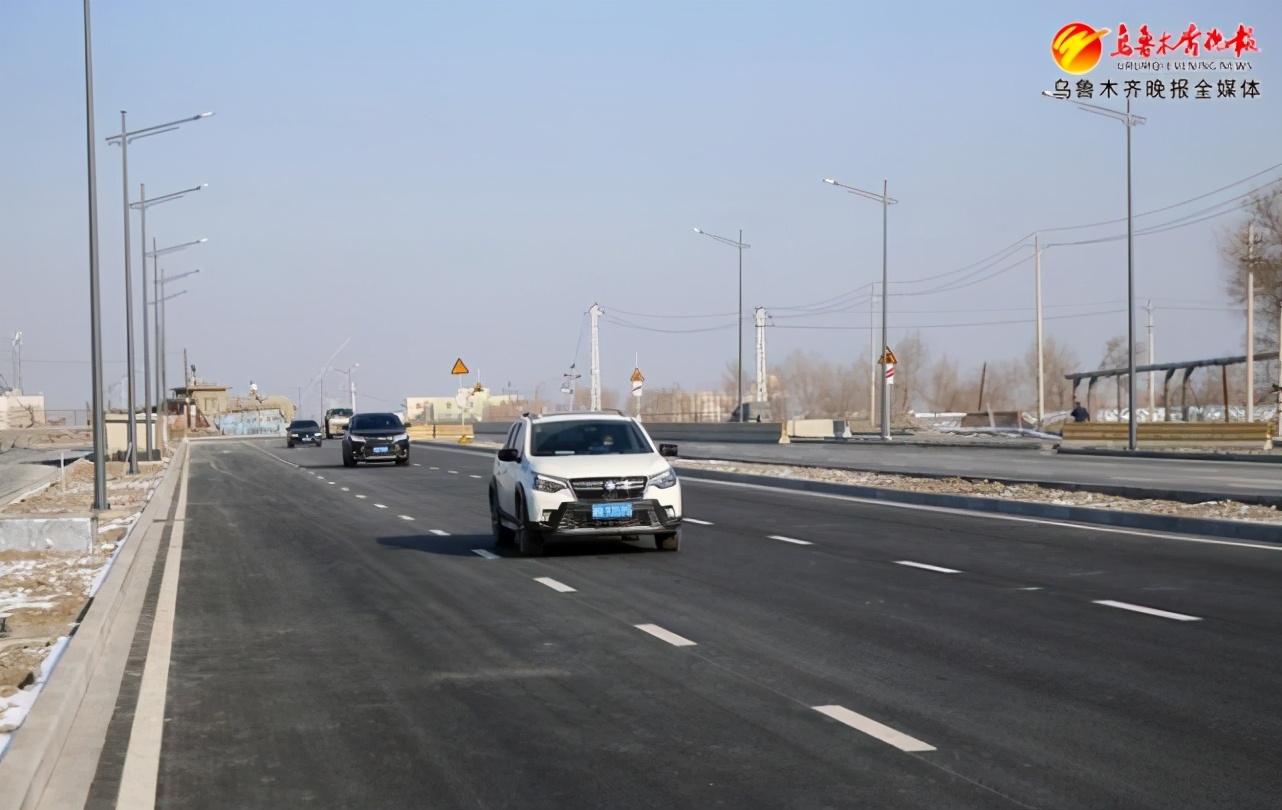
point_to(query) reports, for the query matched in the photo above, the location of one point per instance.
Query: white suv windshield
(586, 437)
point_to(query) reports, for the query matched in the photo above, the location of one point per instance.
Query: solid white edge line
(486, 554)
(927, 567)
(666, 635)
(793, 540)
(981, 515)
(1165, 614)
(696, 521)
(141, 770)
(440, 533)
(554, 585)
(405, 517)
(872, 728)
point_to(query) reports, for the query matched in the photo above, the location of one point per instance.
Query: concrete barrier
(715, 432)
(62, 533)
(447, 431)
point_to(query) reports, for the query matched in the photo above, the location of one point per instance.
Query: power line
(973, 323)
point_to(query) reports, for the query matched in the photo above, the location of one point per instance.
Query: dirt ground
(42, 593)
(992, 489)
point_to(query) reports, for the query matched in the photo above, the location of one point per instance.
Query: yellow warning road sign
(888, 357)
(459, 368)
(636, 375)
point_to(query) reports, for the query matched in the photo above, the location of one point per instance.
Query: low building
(18, 410)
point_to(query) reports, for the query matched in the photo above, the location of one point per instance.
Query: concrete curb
(1275, 458)
(1120, 491)
(34, 749)
(1231, 529)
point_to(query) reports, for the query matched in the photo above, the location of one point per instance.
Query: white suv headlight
(546, 483)
(664, 480)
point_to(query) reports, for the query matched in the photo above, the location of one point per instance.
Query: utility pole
(1151, 361)
(1250, 322)
(132, 443)
(1041, 367)
(872, 354)
(596, 313)
(760, 317)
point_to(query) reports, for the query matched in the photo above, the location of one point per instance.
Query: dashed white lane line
(405, 517)
(486, 554)
(697, 522)
(362, 497)
(332, 483)
(1165, 614)
(474, 476)
(792, 540)
(380, 506)
(346, 489)
(433, 468)
(668, 636)
(417, 464)
(926, 567)
(554, 585)
(874, 729)
(452, 472)
(440, 533)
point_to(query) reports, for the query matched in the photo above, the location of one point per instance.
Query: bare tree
(911, 373)
(1262, 258)
(1058, 361)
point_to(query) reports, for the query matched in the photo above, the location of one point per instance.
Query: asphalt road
(339, 643)
(1227, 478)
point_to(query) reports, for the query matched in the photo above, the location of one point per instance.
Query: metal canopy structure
(1187, 366)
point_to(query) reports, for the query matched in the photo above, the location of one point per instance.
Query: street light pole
(132, 443)
(886, 202)
(738, 315)
(95, 298)
(1131, 121)
(142, 205)
(1041, 366)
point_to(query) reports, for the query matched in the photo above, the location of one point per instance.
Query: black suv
(376, 437)
(303, 431)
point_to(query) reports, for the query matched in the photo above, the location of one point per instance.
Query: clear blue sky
(435, 180)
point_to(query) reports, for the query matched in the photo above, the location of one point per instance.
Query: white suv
(584, 476)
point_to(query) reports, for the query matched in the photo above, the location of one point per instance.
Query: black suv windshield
(304, 425)
(587, 437)
(376, 421)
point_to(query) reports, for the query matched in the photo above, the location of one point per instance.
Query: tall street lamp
(123, 140)
(142, 205)
(886, 202)
(1131, 121)
(157, 283)
(95, 298)
(163, 342)
(740, 246)
(351, 388)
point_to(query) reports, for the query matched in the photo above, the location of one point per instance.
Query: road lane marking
(926, 567)
(346, 489)
(554, 585)
(670, 637)
(793, 540)
(362, 497)
(332, 483)
(698, 522)
(440, 533)
(980, 515)
(872, 728)
(405, 517)
(433, 468)
(487, 555)
(453, 472)
(380, 506)
(418, 465)
(1165, 614)
(474, 476)
(138, 778)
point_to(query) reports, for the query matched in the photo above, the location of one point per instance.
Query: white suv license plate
(611, 511)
